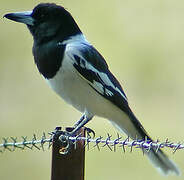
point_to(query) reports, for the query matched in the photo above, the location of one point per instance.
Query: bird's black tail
(129, 124)
(158, 158)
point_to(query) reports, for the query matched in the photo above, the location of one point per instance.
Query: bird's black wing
(93, 68)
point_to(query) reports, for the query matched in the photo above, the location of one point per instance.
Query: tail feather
(133, 128)
(158, 158)
(162, 162)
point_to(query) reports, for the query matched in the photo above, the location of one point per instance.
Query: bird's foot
(72, 131)
(89, 131)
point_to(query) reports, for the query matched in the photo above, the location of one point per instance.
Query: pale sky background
(142, 41)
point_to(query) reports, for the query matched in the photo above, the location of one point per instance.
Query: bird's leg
(79, 121)
(83, 120)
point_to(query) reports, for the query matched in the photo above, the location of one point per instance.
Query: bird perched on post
(78, 73)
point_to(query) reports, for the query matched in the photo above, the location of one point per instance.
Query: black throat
(48, 50)
(48, 57)
(49, 31)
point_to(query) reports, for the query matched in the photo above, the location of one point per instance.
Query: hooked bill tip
(22, 17)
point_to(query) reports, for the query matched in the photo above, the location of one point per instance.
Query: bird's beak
(22, 17)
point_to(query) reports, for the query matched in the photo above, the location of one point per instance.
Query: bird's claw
(89, 131)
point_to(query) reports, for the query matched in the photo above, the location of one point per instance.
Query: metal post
(69, 166)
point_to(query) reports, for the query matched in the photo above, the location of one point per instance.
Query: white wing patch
(105, 79)
(71, 50)
(108, 82)
(108, 92)
(98, 86)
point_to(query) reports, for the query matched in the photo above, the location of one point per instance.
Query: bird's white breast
(75, 90)
(67, 84)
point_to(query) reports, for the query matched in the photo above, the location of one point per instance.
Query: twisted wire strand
(11, 144)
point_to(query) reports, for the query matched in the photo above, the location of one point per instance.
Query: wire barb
(11, 144)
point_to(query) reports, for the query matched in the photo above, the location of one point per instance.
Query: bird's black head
(46, 22)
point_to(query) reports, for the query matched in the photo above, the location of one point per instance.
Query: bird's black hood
(47, 21)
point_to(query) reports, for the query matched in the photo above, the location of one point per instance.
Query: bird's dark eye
(39, 15)
(42, 16)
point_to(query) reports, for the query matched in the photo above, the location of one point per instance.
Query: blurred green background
(142, 42)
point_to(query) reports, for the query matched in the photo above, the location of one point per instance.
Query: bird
(79, 74)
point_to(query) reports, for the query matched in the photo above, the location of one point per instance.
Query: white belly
(76, 91)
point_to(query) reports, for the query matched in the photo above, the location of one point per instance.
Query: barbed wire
(11, 144)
